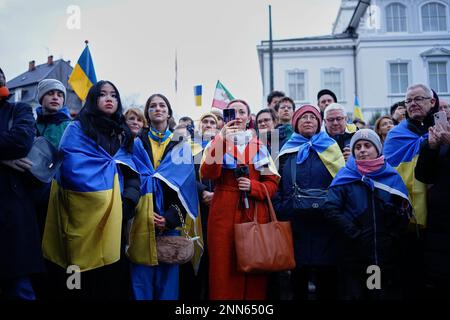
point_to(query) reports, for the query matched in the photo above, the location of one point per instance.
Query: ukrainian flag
(83, 75)
(327, 149)
(357, 113)
(84, 216)
(142, 245)
(401, 150)
(198, 95)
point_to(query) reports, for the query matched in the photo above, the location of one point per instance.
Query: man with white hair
(401, 149)
(336, 127)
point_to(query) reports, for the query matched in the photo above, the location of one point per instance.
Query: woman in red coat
(240, 164)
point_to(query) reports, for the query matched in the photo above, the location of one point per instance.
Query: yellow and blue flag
(327, 149)
(83, 75)
(198, 95)
(176, 171)
(401, 150)
(357, 113)
(84, 216)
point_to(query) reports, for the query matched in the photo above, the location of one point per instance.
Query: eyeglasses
(416, 100)
(338, 119)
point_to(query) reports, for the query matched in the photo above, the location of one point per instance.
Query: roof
(30, 77)
(325, 37)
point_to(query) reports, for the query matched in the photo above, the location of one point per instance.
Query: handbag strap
(294, 173)
(183, 224)
(273, 216)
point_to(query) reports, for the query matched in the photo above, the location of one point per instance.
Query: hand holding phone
(440, 118)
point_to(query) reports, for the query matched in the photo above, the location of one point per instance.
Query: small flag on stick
(198, 95)
(221, 96)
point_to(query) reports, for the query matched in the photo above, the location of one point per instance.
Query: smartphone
(229, 115)
(440, 117)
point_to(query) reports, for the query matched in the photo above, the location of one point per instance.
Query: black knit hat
(326, 91)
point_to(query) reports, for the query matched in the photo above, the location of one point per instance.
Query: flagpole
(270, 49)
(176, 82)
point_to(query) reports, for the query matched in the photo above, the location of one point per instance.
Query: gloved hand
(18, 164)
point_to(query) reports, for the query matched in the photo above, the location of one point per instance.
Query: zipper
(374, 229)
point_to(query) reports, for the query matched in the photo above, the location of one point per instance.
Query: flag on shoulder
(83, 75)
(221, 96)
(357, 113)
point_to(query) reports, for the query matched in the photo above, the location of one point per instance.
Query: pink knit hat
(301, 111)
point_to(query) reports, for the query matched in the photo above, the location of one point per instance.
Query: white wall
(312, 62)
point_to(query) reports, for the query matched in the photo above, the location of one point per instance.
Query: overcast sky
(133, 42)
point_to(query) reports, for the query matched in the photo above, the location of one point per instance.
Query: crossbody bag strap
(294, 172)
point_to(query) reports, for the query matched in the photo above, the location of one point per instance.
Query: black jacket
(433, 167)
(371, 221)
(20, 247)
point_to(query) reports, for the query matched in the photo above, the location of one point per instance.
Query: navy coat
(315, 238)
(372, 222)
(20, 247)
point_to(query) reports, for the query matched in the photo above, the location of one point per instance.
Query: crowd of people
(355, 197)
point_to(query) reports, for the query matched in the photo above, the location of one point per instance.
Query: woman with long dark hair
(94, 197)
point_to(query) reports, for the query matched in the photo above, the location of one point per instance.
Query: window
(332, 80)
(396, 18)
(296, 85)
(434, 17)
(437, 75)
(398, 73)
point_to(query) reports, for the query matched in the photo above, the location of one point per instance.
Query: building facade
(374, 51)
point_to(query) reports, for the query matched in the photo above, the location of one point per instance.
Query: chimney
(31, 65)
(50, 60)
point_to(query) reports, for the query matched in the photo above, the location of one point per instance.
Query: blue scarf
(157, 136)
(318, 142)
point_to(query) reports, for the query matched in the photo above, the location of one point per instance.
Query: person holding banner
(92, 200)
(239, 164)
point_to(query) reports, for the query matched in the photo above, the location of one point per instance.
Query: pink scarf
(369, 166)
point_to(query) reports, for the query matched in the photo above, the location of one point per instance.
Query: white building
(374, 51)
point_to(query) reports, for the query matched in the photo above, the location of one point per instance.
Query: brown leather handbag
(264, 247)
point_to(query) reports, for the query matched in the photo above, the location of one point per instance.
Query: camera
(241, 171)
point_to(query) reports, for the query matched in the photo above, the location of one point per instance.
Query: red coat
(225, 282)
